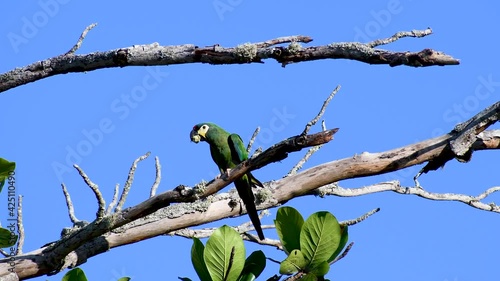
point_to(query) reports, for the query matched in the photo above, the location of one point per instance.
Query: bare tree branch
(114, 200)
(69, 203)
(252, 139)
(80, 40)
(344, 253)
(399, 35)
(473, 201)
(90, 240)
(70, 250)
(157, 178)
(464, 137)
(311, 123)
(128, 183)
(321, 111)
(281, 40)
(155, 54)
(361, 218)
(101, 210)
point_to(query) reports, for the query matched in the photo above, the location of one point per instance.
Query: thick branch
(464, 137)
(90, 241)
(57, 255)
(155, 54)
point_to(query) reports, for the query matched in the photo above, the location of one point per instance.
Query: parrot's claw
(224, 176)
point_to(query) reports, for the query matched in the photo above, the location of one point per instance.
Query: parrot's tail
(245, 191)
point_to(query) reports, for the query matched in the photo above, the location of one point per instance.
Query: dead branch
(80, 40)
(156, 183)
(101, 210)
(399, 35)
(73, 249)
(89, 241)
(114, 200)
(69, 204)
(321, 111)
(344, 253)
(395, 186)
(252, 139)
(128, 183)
(155, 54)
(464, 137)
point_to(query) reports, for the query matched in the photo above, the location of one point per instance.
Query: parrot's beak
(195, 137)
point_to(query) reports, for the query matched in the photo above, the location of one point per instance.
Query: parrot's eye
(204, 126)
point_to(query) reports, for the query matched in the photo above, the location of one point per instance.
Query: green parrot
(228, 151)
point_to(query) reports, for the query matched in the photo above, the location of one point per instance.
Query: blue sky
(378, 108)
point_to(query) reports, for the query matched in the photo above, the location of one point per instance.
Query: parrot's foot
(223, 176)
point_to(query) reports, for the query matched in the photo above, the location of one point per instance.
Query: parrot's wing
(239, 154)
(238, 150)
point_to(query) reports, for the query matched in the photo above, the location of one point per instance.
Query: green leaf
(124, 279)
(322, 269)
(319, 238)
(198, 262)
(6, 168)
(254, 265)
(343, 241)
(76, 274)
(295, 262)
(7, 238)
(224, 254)
(288, 225)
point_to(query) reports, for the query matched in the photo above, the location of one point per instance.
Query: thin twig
(244, 228)
(257, 152)
(206, 232)
(286, 39)
(157, 178)
(321, 112)
(114, 200)
(361, 218)
(395, 186)
(128, 183)
(20, 226)
(302, 161)
(101, 210)
(487, 192)
(313, 149)
(399, 35)
(344, 253)
(80, 40)
(252, 139)
(69, 203)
